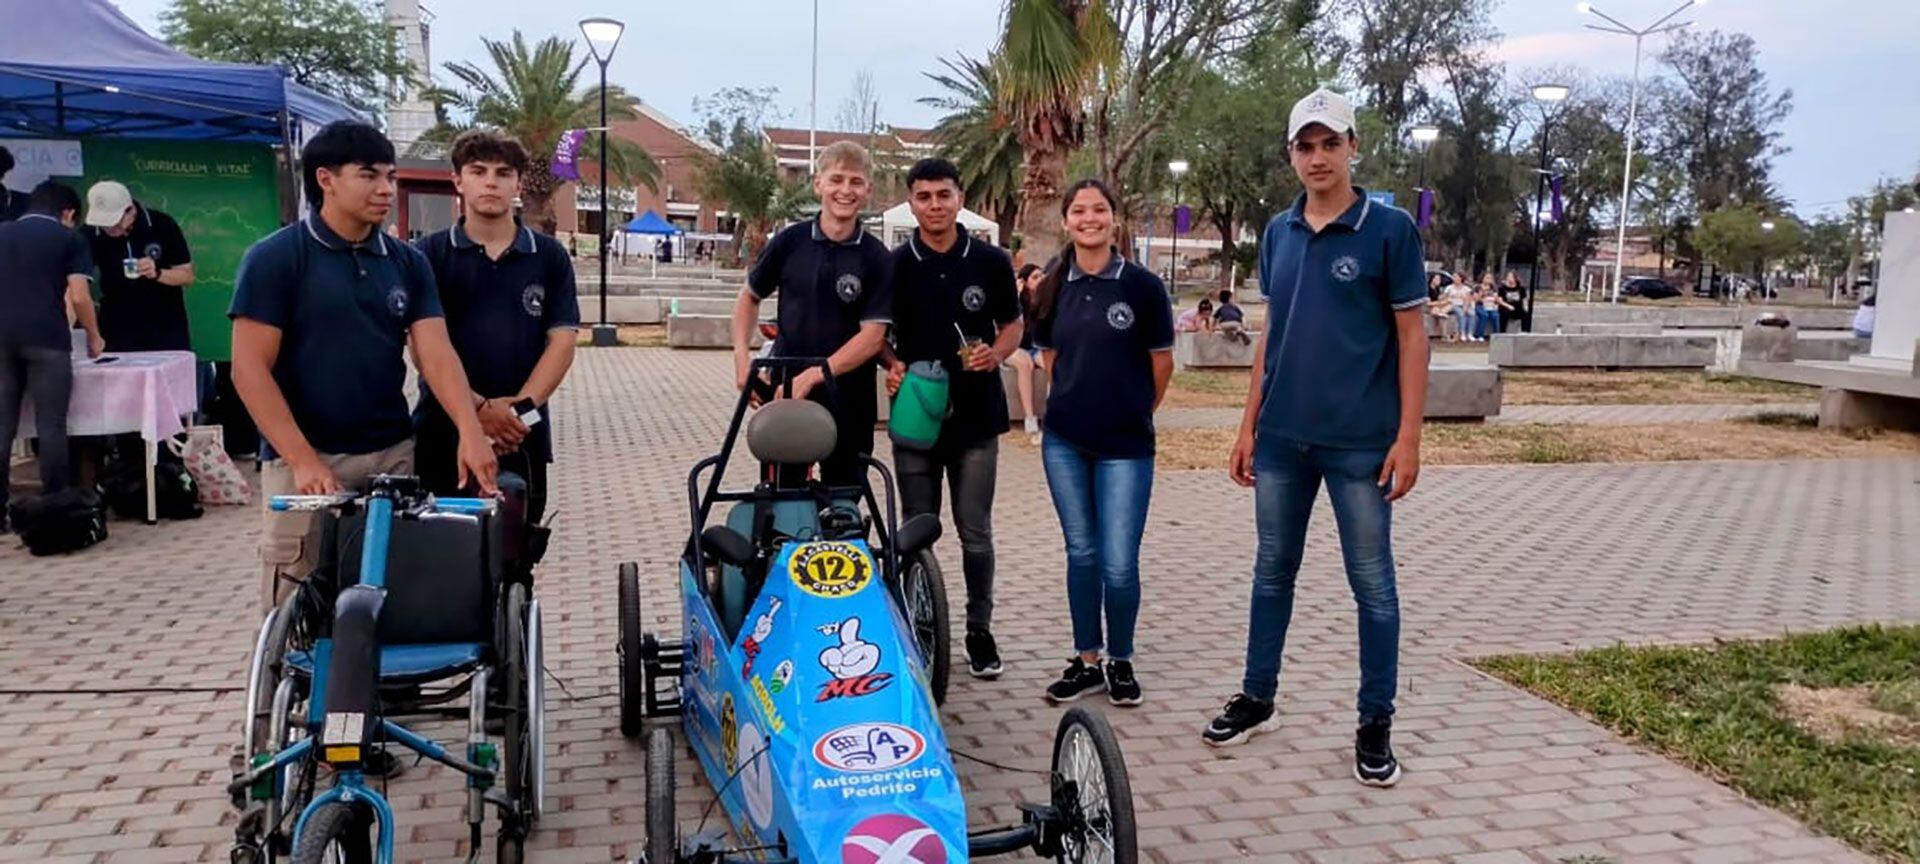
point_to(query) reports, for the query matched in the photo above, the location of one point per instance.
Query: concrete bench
(1647, 329)
(1462, 392)
(1865, 391)
(1582, 351)
(1214, 350)
(703, 331)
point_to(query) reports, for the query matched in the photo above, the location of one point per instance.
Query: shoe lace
(1120, 672)
(1241, 707)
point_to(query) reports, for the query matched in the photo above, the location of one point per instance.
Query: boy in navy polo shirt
(145, 311)
(836, 301)
(1337, 398)
(955, 304)
(512, 312)
(323, 310)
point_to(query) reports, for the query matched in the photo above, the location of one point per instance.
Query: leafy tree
(1720, 119)
(341, 47)
(744, 174)
(1398, 40)
(532, 95)
(1738, 237)
(1052, 55)
(979, 136)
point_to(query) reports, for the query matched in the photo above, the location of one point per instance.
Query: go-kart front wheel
(633, 678)
(663, 834)
(923, 596)
(1091, 793)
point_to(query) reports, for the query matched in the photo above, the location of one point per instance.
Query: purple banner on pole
(1424, 214)
(1182, 220)
(565, 153)
(1557, 210)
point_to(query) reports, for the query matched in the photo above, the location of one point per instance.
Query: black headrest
(792, 432)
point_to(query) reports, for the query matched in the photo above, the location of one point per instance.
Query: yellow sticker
(343, 754)
(729, 733)
(830, 570)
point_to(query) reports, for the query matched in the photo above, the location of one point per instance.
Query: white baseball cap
(1324, 107)
(107, 201)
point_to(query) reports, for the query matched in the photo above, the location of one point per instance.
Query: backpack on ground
(59, 522)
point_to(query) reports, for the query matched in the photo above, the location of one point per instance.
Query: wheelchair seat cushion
(403, 664)
(442, 577)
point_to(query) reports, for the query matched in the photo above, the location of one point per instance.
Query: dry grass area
(1462, 444)
(632, 335)
(1647, 388)
(1209, 389)
(1832, 714)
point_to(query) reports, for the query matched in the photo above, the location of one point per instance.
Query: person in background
(1231, 319)
(1863, 317)
(1105, 329)
(145, 267)
(13, 205)
(1199, 319)
(1023, 360)
(1491, 304)
(45, 267)
(1461, 302)
(1514, 295)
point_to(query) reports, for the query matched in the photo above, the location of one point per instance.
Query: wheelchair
(355, 647)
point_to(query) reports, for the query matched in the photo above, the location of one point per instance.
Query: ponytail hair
(1049, 294)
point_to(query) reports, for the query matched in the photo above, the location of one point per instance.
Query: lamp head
(1551, 92)
(603, 35)
(1179, 168)
(1425, 134)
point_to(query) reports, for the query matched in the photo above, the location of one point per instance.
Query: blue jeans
(1103, 511)
(1489, 323)
(1287, 477)
(1464, 319)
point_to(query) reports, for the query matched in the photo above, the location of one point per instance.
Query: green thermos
(920, 406)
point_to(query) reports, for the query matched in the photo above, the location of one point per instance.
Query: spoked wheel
(923, 594)
(663, 833)
(276, 699)
(633, 683)
(1091, 793)
(520, 751)
(336, 834)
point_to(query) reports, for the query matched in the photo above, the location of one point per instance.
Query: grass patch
(1208, 389)
(1557, 443)
(631, 335)
(1901, 698)
(1646, 388)
(1787, 419)
(1718, 709)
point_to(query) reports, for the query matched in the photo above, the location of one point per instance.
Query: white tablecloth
(148, 392)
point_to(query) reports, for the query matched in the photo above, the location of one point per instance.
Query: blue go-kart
(419, 603)
(806, 688)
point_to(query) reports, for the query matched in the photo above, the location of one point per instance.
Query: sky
(1852, 64)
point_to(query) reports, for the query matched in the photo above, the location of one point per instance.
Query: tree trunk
(1005, 214)
(536, 208)
(1043, 181)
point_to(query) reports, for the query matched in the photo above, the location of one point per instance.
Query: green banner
(224, 196)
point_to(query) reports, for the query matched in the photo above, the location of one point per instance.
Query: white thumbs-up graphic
(851, 658)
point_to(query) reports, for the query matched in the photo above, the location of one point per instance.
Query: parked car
(1649, 288)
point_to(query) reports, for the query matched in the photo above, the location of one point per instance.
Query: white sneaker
(1033, 429)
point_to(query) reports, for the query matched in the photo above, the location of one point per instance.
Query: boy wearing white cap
(145, 267)
(1337, 400)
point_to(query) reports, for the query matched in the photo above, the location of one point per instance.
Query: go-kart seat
(787, 433)
(443, 584)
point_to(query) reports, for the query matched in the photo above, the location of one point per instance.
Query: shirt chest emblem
(1345, 268)
(1120, 316)
(974, 298)
(397, 301)
(534, 299)
(153, 251)
(847, 287)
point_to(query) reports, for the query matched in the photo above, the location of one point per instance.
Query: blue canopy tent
(651, 223)
(81, 69)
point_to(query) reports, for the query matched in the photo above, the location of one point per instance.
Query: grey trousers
(970, 473)
(45, 375)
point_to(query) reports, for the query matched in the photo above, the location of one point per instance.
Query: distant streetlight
(1548, 95)
(1178, 168)
(603, 35)
(1633, 113)
(1766, 225)
(1424, 136)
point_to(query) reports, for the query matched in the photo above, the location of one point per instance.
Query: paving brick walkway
(1592, 554)
(1602, 415)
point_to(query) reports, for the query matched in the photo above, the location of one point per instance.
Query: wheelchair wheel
(336, 834)
(923, 596)
(663, 840)
(1091, 793)
(633, 677)
(275, 710)
(525, 735)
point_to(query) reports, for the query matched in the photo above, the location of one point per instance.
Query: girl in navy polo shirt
(1105, 327)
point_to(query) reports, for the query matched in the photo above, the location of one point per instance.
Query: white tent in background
(897, 224)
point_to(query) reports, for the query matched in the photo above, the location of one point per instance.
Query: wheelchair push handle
(302, 503)
(306, 503)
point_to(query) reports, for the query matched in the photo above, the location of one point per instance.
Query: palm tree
(979, 136)
(1050, 61)
(531, 95)
(743, 175)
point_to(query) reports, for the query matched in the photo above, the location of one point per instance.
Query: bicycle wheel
(632, 680)
(663, 840)
(923, 595)
(1091, 792)
(517, 751)
(336, 834)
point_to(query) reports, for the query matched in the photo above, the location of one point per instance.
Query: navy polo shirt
(1105, 328)
(936, 297)
(828, 288)
(13, 205)
(142, 314)
(343, 310)
(1332, 362)
(499, 312)
(37, 255)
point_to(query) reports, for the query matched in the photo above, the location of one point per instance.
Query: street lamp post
(1424, 136)
(1178, 167)
(1548, 95)
(1633, 114)
(603, 35)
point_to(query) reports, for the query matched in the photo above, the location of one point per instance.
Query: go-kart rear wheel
(663, 833)
(923, 594)
(1091, 793)
(633, 678)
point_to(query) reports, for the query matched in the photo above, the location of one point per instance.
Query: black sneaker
(1373, 762)
(1077, 680)
(1243, 718)
(1122, 688)
(983, 657)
